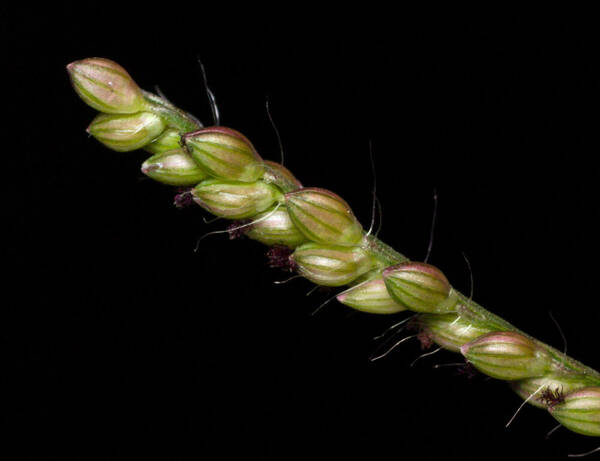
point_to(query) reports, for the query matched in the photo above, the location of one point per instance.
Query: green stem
(382, 251)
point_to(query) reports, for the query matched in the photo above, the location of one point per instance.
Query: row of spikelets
(314, 232)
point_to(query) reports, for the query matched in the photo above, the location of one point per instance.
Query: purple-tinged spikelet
(323, 217)
(233, 199)
(332, 265)
(274, 227)
(175, 168)
(420, 287)
(106, 86)
(370, 296)
(126, 132)
(224, 153)
(507, 355)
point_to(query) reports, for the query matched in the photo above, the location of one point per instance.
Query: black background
(121, 342)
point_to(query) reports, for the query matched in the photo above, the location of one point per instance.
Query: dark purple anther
(425, 340)
(551, 397)
(238, 229)
(423, 335)
(279, 258)
(184, 198)
(468, 371)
